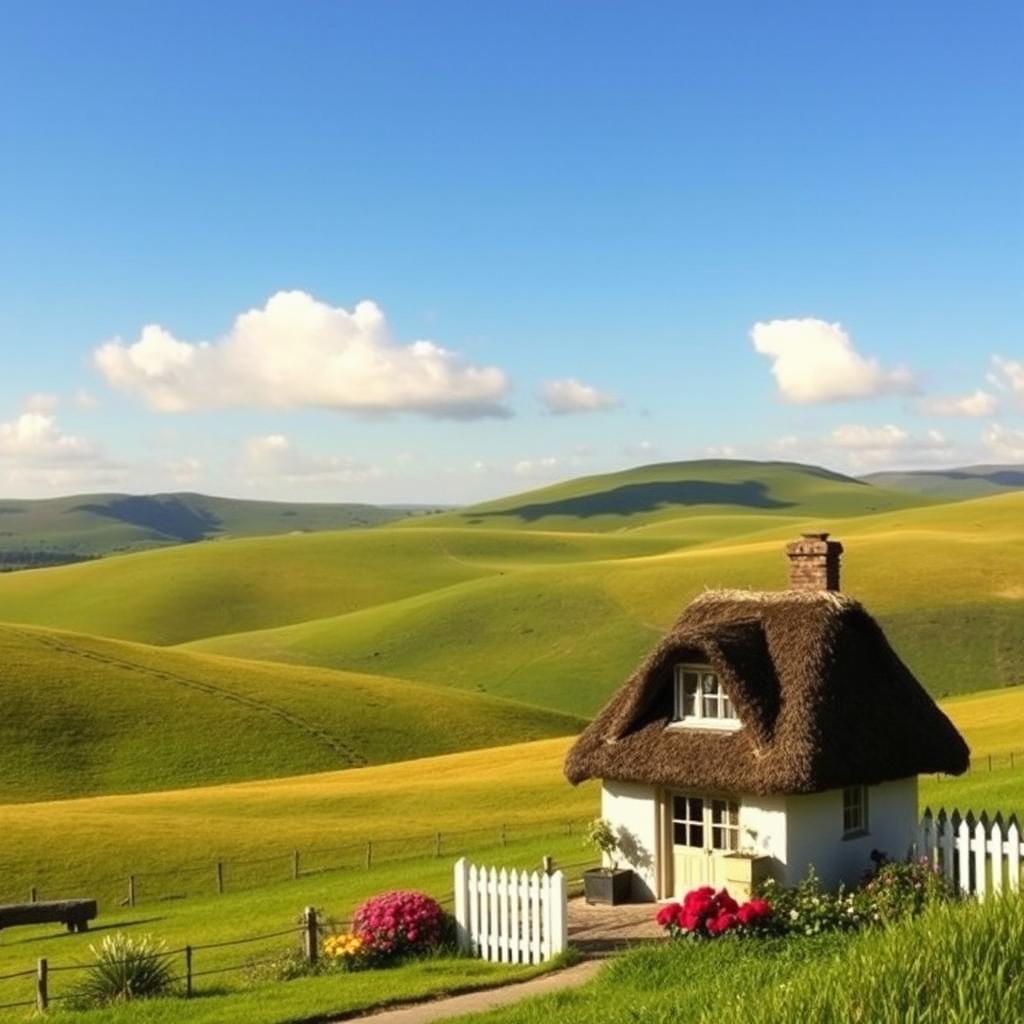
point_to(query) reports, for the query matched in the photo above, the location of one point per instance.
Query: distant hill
(647, 495)
(70, 529)
(964, 482)
(81, 715)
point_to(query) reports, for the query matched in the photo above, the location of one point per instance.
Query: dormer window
(700, 699)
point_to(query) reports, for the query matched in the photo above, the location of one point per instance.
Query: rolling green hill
(59, 530)
(952, 484)
(558, 618)
(946, 583)
(81, 715)
(651, 494)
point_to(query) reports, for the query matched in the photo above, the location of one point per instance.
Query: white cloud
(41, 401)
(186, 470)
(34, 437)
(274, 457)
(544, 468)
(978, 403)
(870, 446)
(85, 401)
(1008, 375)
(569, 395)
(815, 361)
(298, 352)
(1004, 443)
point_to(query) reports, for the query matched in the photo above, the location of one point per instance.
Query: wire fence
(131, 888)
(50, 983)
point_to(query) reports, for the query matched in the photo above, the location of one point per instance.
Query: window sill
(857, 833)
(705, 724)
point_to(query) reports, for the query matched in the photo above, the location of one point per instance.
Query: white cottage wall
(763, 827)
(814, 832)
(632, 810)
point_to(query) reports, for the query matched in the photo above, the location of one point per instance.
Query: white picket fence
(510, 916)
(978, 856)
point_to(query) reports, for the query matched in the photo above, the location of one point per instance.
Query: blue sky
(628, 232)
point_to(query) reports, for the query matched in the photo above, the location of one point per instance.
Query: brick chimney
(814, 562)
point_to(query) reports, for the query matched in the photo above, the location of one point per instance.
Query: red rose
(668, 914)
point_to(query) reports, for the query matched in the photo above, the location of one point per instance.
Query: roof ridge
(835, 598)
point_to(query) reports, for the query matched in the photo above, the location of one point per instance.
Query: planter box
(607, 885)
(740, 873)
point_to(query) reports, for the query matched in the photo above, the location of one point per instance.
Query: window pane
(734, 814)
(690, 697)
(678, 807)
(679, 833)
(711, 707)
(710, 683)
(718, 838)
(727, 708)
(697, 836)
(696, 808)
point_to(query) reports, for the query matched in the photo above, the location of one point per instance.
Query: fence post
(369, 854)
(310, 939)
(504, 835)
(32, 897)
(462, 933)
(131, 890)
(548, 864)
(220, 876)
(559, 919)
(42, 994)
(188, 972)
(295, 865)
(990, 762)
(437, 844)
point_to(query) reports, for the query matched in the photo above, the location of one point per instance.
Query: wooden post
(188, 972)
(504, 835)
(437, 844)
(548, 865)
(295, 865)
(32, 897)
(220, 876)
(310, 940)
(131, 890)
(462, 932)
(369, 854)
(42, 993)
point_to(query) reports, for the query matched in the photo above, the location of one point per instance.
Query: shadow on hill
(632, 499)
(1013, 478)
(170, 517)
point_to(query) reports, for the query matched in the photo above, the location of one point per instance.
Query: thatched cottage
(765, 733)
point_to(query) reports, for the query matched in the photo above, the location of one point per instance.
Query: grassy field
(99, 524)
(81, 715)
(172, 840)
(955, 964)
(944, 581)
(233, 995)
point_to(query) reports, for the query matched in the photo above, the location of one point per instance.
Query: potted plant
(610, 884)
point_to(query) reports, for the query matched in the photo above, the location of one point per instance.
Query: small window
(855, 810)
(700, 698)
(725, 825)
(696, 820)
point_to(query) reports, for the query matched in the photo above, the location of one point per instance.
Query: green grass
(232, 995)
(81, 715)
(955, 964)
(172, 840)
(942, 580)
(98, 524)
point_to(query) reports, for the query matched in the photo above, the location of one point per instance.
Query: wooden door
(703, 828)
(691, 853)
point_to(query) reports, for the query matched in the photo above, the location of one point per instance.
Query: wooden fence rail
(510, 916)
(977, 855)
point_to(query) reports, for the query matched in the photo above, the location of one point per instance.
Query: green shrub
(126, 968)
(898, 890)
(807, 909)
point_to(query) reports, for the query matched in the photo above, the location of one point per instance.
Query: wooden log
(75, 914)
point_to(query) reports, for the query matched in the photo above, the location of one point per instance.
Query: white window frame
(718, 822)
(728, 722)
(855, 812)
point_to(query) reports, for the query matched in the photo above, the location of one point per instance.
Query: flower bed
(705, 913)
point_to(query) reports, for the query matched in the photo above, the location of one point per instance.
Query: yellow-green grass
(945, 582)
(198, 590)
(399, 806)
(81, 715)
(270, 909)
(651, 494)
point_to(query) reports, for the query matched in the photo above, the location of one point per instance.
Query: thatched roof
(824, 701)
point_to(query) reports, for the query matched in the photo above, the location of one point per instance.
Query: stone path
(596, 931)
